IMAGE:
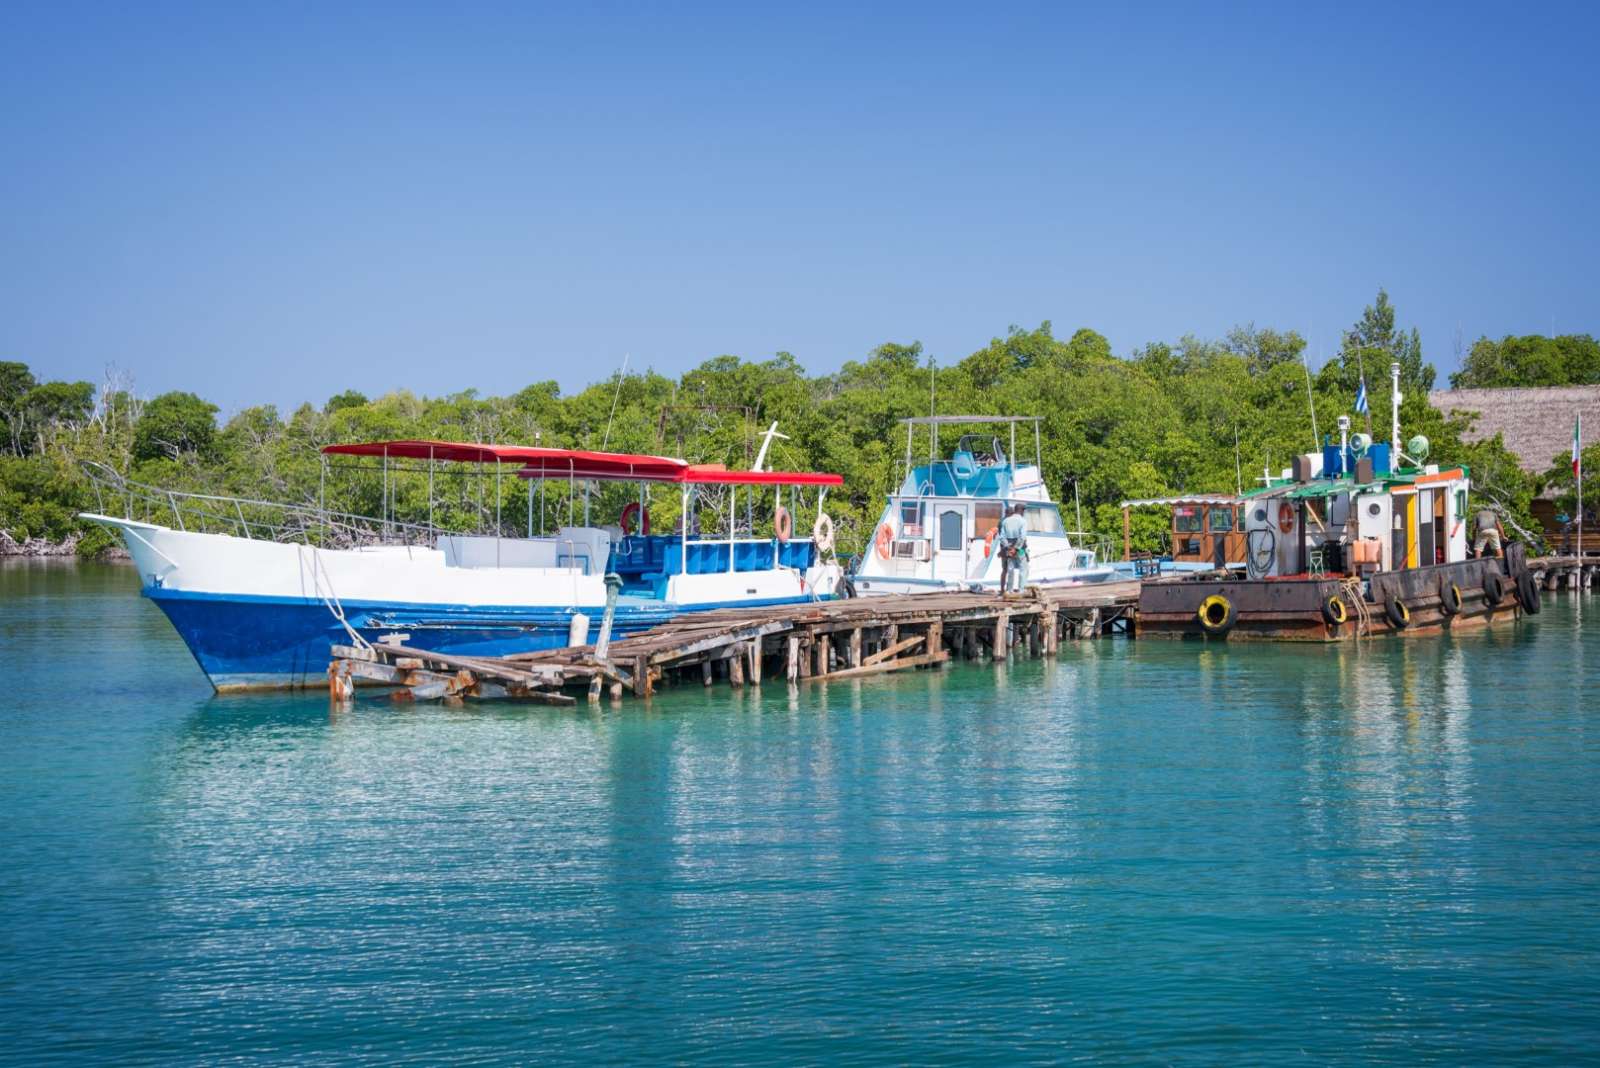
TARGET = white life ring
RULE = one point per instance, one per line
(822, 533)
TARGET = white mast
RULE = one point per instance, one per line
(1394, 401)
(766, 443)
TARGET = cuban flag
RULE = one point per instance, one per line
(1361, 397)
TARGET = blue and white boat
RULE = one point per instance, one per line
(261, 592)
(938, 531)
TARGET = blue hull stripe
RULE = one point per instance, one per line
(244, 641)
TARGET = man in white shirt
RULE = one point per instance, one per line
(1013, 540)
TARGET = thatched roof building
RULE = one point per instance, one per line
(1535, 423)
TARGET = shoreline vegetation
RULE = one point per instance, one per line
(1198, 415)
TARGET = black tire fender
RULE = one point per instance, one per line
(1334, 611)
(1449, 598)
(1494, 586)
(1528, 594)
(1395, 610)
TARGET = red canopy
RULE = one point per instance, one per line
(553, 463)
(578, 463)
(700, 473)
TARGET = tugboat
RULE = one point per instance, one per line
(1362, 538)
(938, 531)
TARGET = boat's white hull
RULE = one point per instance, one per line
(264, 614)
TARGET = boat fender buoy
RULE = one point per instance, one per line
(1494, 587)
(631, 513)
(783, 524)
(883, 541)
(1450, 598)
(1528, 594)
(1215, 615)
(1398, 614)
(822, 533)
(1334, 612)
(1286, 517)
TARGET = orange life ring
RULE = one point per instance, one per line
(884, 540)
(629, 514)
(1286, 517)
(988, 542)
(783, 523)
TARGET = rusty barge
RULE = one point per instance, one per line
(1358, 539)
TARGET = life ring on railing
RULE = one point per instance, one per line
(629, 514)
(988, 542)
(1286, 517)
(1449, 598)
(1215, 615)
(783, 524)
(822, 533)
(884, 540)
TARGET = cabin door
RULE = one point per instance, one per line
(950, 527)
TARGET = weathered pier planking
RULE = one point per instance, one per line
(1564, 572)
(822, 641)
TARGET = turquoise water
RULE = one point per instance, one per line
(1142, 852)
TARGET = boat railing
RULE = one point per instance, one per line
(1099, 544)
(261, 520)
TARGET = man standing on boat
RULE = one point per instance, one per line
(1013, 541)
(1490, 532)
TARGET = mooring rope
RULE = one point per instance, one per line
(1351, 587)
(330, 600)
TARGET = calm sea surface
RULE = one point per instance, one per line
(1141, 852)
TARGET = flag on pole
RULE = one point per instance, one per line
(1361, 396)
(1577, 449)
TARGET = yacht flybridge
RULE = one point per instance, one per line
(261, 591)
(938, 530)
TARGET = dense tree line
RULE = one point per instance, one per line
(1534, 360)
(1193, 416)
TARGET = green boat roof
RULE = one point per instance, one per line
(1319, 488)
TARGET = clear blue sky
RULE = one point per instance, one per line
(272, 202)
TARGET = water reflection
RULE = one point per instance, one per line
(1138, 850)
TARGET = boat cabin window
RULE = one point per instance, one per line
(985, 450)
(1186, 519)
(949, 530)
(1221, 520)
(910, 519)
(987, 517)
(1044, 519)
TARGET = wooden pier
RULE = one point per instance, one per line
(1564, 572)
(797, 643)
